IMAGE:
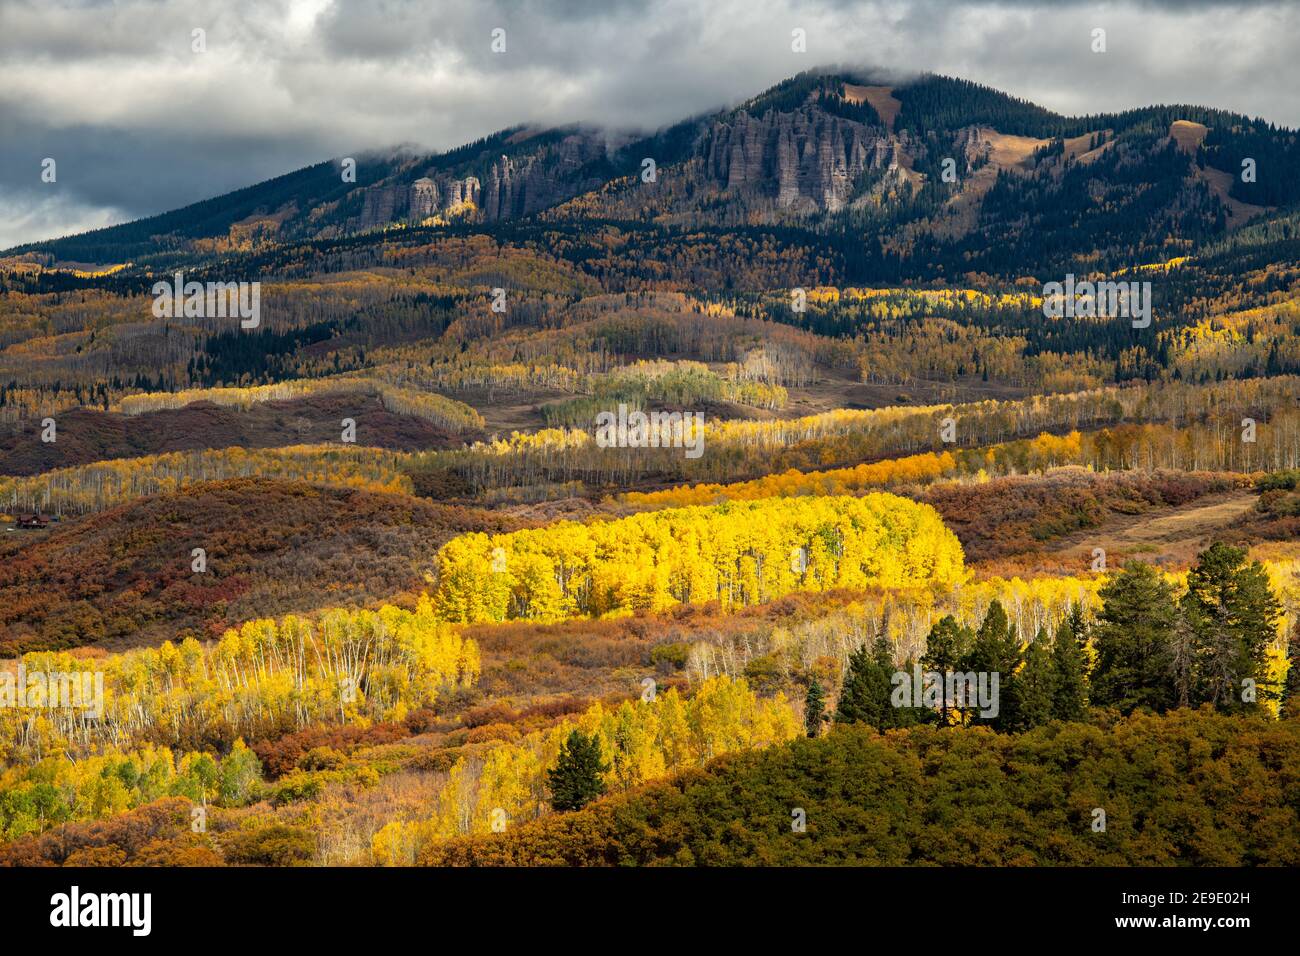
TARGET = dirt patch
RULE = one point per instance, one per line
(881, 99)
(1010, 152)
(961, 213)
(507, 410)
(1006, 153)
(1188, 135)
(1170, 539)
(1220, 182)
(1080, 149)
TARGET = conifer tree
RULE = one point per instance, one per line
(996, 647)
(814, 707)
(996, 650)
(892, 716)
(1027, 698)
(1069, 680)
(1290, 701)
(578, 775)
(946, 649)
(1134, 638)
(864, 695)
(1231, 616)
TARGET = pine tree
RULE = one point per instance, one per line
(1134, 637)
(864, 695)
(892, 716)
(1069, 680)
(1028, 694)
(996, 647)
(578, 775)
(814, 707)
(854, 704)
(1231, 616)
(946, 649)
(1290, 700)
(996, 650)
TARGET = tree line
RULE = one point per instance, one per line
(1148, 648)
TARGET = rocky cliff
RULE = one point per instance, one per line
(518, 186)
(808, 159)
(415, 201)
(514, 185)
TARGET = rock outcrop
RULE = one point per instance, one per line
(804, 161)
(417, 201)
(513, 186)
(807, 159)
(518, 186)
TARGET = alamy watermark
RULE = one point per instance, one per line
(953, 689)
(215, 300)
(133, 911)
(53, 690)
(1106, 299)
(638, 429)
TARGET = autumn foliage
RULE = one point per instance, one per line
(933, 796)
(738, 554)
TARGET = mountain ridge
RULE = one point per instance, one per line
(952, 160)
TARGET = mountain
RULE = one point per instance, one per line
(930, 168)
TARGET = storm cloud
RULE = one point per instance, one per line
(138, 122)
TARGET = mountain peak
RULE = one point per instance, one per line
(899, 159)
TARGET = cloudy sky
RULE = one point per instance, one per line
(138, 121)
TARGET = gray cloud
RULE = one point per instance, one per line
(140, 123)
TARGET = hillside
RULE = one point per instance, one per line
(89, 435)
(934, 797)
(124, 576)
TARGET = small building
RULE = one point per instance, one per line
(36, 521)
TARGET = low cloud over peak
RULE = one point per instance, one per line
(140, 122)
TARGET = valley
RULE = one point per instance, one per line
(370, 581)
